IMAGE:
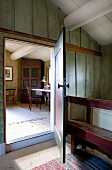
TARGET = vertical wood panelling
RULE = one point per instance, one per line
(67, 36)
(70, 73)
(93, 44)
(84, 39)
(75, 37)
(89, 76)
(61, 18)
(80, 72)
(96, 70)
(53, 21)
(105, 92)
(97, 78)
(23, 16)
(40, 21)
(6, 14)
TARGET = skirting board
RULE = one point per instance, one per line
(2, 149)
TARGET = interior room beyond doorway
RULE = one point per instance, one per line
(21, 123)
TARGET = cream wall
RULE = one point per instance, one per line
(15, 83)
(47, 64)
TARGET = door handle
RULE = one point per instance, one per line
(59, 85)
(68, 85)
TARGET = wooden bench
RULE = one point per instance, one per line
(84, 132)
(89, 135)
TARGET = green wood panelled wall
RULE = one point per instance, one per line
(42, 18)
(23, 15)
(106, 73)
(7, 14)
(97, 77)
(80, 74)
(83, 71)
(70, 73)
(36, 17)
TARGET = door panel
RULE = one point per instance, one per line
(60, 93)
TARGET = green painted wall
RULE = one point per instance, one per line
(36, 17)
(106, 73)
(42, 18)
(83, 70)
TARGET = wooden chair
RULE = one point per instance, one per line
(46, 94)
(35, 98)
(11, 93)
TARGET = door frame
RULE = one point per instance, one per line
(34, 40)
(5, 33)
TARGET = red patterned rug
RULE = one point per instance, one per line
(82, 160)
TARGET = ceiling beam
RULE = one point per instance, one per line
(87, 13)
(21, 52)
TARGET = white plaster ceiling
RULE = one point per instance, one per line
(27, 50)
(99, 29)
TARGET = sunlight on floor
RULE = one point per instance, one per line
(35, 159)
(27, 158)
(22, 123)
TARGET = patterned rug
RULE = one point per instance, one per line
(18, 115)
(21, 123)
(82, 160)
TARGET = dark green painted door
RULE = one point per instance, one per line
(60, 94)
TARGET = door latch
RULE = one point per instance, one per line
(64, 86)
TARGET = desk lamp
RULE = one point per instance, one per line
(43, 81)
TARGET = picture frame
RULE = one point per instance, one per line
(8, 73)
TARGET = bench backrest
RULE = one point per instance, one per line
(90, 103)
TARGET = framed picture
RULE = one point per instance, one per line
(8, 73)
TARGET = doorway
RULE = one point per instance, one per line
(21, 123)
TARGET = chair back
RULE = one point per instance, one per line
(11, 93)
(29, 92)
(33, 98)
(38, 93)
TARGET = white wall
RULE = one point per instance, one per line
(102, 118)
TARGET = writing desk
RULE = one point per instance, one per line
(44, 93)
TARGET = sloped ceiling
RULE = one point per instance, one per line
(27, 50)
(99, 29)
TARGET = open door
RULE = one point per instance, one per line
(60, 94)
